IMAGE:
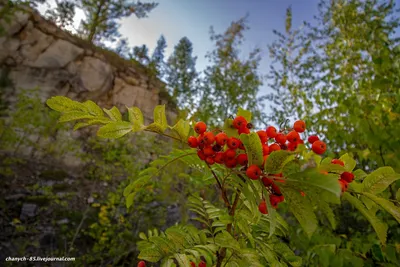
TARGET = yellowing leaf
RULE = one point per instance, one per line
(113, 113)
(244, 113)
(136, 118)
(65, 104)
(93, 108)
(74, 115)
(349, 162)
(159, 117)
(182, 128)
(253, 147)
(115, 129)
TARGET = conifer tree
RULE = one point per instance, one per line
(157, 58)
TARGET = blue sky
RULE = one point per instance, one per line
(193, 18)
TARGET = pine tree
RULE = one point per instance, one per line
(141, 54)
(181, 74)
(157, 58)
(231, 82)
(101, 22)
(63, 14)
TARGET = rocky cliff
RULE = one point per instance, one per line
(36, 53)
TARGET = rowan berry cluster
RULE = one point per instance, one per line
(201, 264)
(222, 149)
(345, 177)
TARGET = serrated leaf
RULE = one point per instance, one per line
(96, 121)
(377, 181)
(93, 108)
(136, 118)
(302, 209)
(386, 205)
(229, 129)
(226, 240)
(244, 113)
(113, 113)
(115, 129)
(359, 174)
(64, 104)
(74, 115)
(182, 259)
(277, 160)
(290, 168)
(327, 210)
(379, 227)
(176, 236)
(349, 162)
(182, 128)
(327, 182)
(160, 118)
(150, 255)
(253, 147)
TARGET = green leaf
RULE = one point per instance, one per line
(93, 108)
(182, 128)
(302, 209)
(155, 127)
(74, 115)
(229, 129)
(226, 240)
(150, 255)
(379, 227)
(142, 236)
(377, 181)
(64, 104)
(349, 162)
(182, 259)
(253, 147)
(96, 121)
(359, 174)
(159, 117)
(129, 199)
(244, 113)
(398, 195)
(114, 114)
(277, 160)
(115, 129)
(386, 205)
(136, 118)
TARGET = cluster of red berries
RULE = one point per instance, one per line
(221, 149)
(345, 177)
(201, 264)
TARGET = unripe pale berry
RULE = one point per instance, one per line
(200, 127)
(319, 147)
(299, 126)
(253, 172)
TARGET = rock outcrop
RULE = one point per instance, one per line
(36, 53)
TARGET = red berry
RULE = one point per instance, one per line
(283, 147)
(239, 121)
(241, 146)
(192, 142)
(242, 159)
(292, 146)
(230, 163)
(243, 130)
(347, 176)
(209, 138)
(299, 126)
(274, 147)
(271, 132)
(301, 141)
(337, 161)
(312, 139)
(267, 181)
(302, 194)
(230, 154)
(262, 207)
(200, 127)
(265, 149)
(219, 157)
(201, 155)
(344, 185)
(280, 138)
(293, 137)
(208, 151)
(202, 264)
(233, 143)
(192, 264)
(275, 200)
(276, 189)
(319, 147)
(210, 160)
(253, 172)
(263, 136)
(265, 159)
(141, 264)
(221, 139)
